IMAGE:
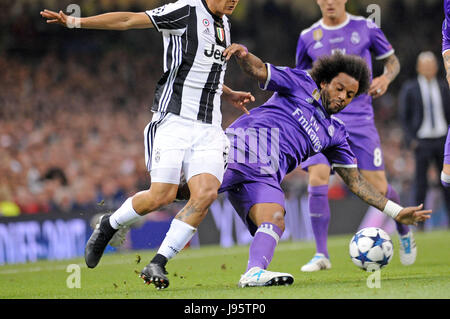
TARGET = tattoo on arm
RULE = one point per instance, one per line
(254, 67)
(360, 187)
(446, 58)
(391, 67)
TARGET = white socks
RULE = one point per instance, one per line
(178, 235)
(124, 216)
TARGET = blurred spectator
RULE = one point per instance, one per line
(424, 108)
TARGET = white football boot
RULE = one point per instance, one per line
(408, 249)
(257, 276)
(318, 262)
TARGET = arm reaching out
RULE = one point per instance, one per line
(106, 21)
(249, 63)
(360, 187)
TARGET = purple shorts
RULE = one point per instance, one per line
(447, 148)
(365, 144)
(243, 194)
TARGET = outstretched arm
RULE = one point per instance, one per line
(369, 194)
(381, 83)
(249, 63)
(106, 21)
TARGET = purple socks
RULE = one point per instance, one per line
(263, 245)
(319, 210)
(393, 196)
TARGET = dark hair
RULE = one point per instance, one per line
(326, 68)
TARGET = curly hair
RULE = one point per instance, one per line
(326, 68)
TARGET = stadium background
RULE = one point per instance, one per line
(74, 103)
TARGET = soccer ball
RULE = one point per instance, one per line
(371, 249)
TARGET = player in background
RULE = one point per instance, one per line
(445, 174)
(185, 132)
(339, 31)
(304, 102)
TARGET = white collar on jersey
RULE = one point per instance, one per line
(335, 27)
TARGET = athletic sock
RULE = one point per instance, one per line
(106, 228)
(319, 210)
(263, 245)
(177, 237)
(392, 195)
(124, 216)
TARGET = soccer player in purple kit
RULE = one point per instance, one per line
(339, 31)
(296, 122)
(445, 174)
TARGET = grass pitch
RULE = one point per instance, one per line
(212, 272)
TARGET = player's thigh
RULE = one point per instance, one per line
(377, 179)
(366, 145)
(208, 153)
(166, 142)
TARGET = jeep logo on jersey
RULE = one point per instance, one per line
(215, 52)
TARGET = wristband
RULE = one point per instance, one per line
(392, 209)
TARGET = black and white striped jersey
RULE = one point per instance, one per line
(194, 68)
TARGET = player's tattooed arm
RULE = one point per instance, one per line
(391, 67)
(446, 57)
(106, 21)
(249, 63)
(381, 83)
(361, 188)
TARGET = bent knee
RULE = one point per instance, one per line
(206, 195)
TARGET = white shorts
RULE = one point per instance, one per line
(174, 143)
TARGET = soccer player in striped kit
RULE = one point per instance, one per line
(185, 132)
(445, 174)
(339, 31)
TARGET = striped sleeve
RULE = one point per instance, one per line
(170, 17)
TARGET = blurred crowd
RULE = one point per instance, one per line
(74, 103)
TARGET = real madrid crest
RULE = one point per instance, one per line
(355, 38)
(331, 130)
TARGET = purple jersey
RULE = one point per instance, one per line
(446, 27)
(291, 126)
(358, 36)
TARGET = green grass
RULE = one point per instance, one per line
(212, 273)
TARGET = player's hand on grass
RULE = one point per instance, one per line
(55, 17)
(236, 49)
(413, 215)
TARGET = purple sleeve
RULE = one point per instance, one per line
(283, 79)
(446, 27)
(341, 154)
(302, 60)
(379, 44)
